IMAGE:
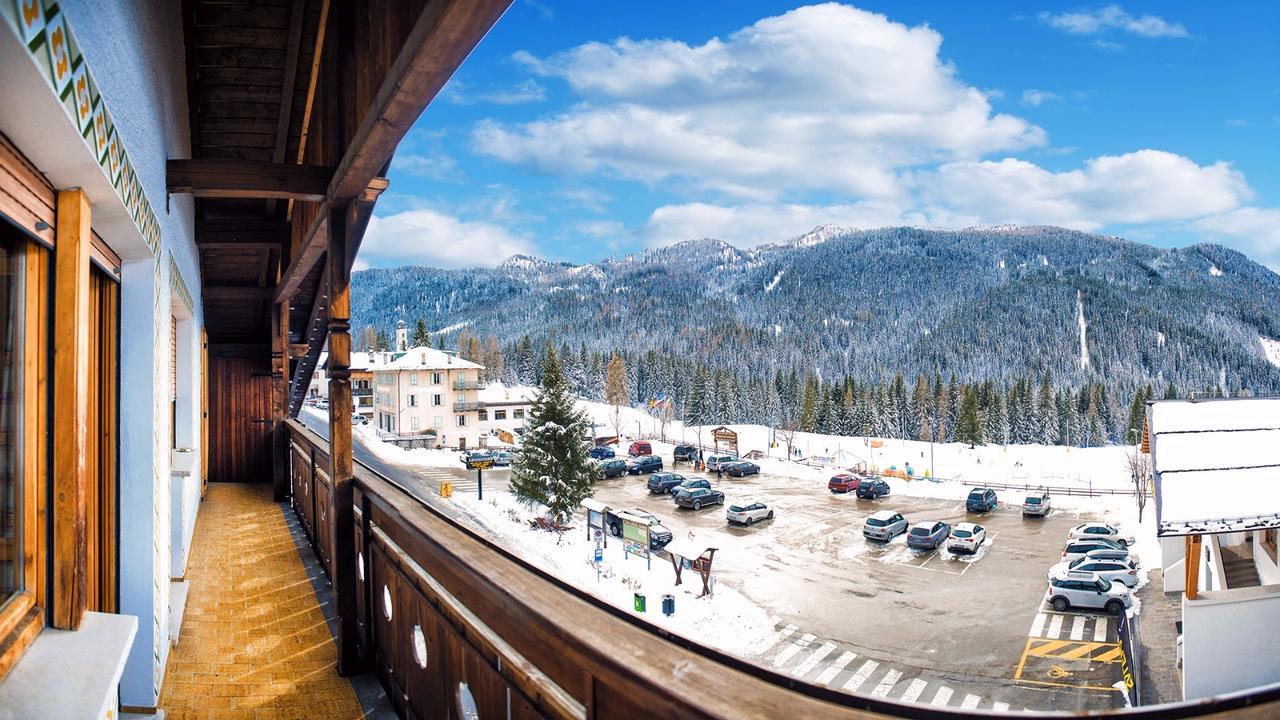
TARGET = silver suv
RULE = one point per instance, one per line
(884, 525)
(1037, 504)
(1101, 548)
(1085, 590)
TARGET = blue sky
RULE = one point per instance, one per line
(578, 130)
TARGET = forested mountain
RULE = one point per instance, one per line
(998, 308)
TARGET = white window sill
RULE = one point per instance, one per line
(70, 674)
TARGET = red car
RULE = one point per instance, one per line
(640, 447)
(843, 483)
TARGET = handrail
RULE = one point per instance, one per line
(613, 663)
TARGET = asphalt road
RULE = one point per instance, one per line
(881, 619)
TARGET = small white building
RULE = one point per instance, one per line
(503, 411)
(423, 391)
(1216, 466)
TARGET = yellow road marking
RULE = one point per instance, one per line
(1072, 650)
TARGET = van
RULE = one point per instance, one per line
(640, 447)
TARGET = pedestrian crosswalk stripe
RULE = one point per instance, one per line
(834, 668)
(1077, 628)
(812, 661)
(1055, 627)
(1073, 650)
(789, 651)
(1000, 706)
(861, 676)
(886, 683)
(916, 687)
(942, 697)
(1100, 627)
(970, 702)
(1037, 626)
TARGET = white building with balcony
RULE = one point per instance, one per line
(1216, 465)
(423, 391)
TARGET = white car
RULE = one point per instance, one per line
(1095, 530)
(717, 462)
(966, 537)
(1119, 571)
(1084, 590)
(747, 512)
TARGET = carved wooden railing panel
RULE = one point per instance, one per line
(443, 612)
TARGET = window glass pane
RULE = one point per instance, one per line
(11, 306)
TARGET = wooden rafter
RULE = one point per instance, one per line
(248, 179)
(443, 35)
(290, 80)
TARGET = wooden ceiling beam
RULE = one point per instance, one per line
(235, 292)
(248, 179)
(241, 233)
(443, 35)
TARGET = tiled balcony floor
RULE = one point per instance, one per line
(254, 641)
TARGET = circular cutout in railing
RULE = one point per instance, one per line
(360, 567)
(386, 602)
(467, 709)
(419, 647)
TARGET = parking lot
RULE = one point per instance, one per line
(881, 618)
(885, 619)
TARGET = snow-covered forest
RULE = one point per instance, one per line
(997, 335)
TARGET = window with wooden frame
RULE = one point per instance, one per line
(102, 486)
(24, 362)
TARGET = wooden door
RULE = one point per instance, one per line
(239, 419)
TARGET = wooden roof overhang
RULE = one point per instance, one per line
(296, 107)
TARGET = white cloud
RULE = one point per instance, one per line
(436, 166)
(826, 97)
(603, 229)
(755, 224)
(1139, 187)
(1113, 17)
(1253, 230)
(1036, 98)
(526, 91)
(429, 237)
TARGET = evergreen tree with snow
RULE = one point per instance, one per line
(968, 425)
(998, 419)
(1047, 413)
(553, 468)
(420, 336)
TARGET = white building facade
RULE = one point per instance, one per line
(423, 391)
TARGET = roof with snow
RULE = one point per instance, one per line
(359, 360)
(429, 358)
(1216, 464)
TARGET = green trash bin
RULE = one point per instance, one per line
(639, 603)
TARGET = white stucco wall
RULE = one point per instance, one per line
(1173, 553)
(134, 48)
(1229, 641)
(1268, 568)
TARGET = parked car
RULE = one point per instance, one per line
(614, 468)
(928, 535)
(884, 525)
(1037, 504)
(478, 458)
(843, 482)
(639, 448)
(966, 537)
(981, 500)
(659, 535)
(747, 512)
(716, 462)
(1098, 548)
(503, 458)
(697, 498)
(1083, 590)
(601, 452)
(1125, 573)
(688, 453)
(872, 488)
(1093, 530)
(358, 419)
(742, 468)
(644, 464)
(663, 483)
(693, 483)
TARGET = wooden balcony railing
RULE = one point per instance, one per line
(443, 614)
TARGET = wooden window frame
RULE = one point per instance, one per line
(22, 616)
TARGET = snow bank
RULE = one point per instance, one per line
(725, 620)
(389, 452)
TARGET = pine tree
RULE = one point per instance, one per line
(921, 403)
(1047, 413)
(809, 405)
(420, 336)
(998, 420)
(553, 468)
(968, 425)
(1137, 417)
(615, 391)
(383, 343)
